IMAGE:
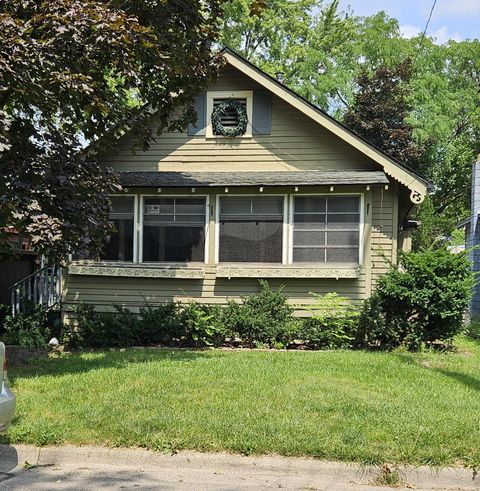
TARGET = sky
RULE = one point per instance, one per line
(451, 19)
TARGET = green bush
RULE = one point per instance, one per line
(169, 325)
(101, 329)
(262, 319)
(203, 325)
(29, 329)
(422, 300)
(332, 325)
(473, 328)
(160, 325)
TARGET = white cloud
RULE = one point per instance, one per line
(442, 35)
(408, 31)
(458, 7)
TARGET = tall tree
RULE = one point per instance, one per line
(379, 113)
(75, 71)
(323, 51)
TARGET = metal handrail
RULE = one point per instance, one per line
(43, 287)
(28, 277)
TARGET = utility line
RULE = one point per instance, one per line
(422, 39)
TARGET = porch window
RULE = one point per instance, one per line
(119, 243)
(326, 229)
(174, 229)
(251, 229)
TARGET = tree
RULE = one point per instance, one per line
(446, 97)
(320, 49)
(77, 71)
(380, 110)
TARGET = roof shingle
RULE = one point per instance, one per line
(148, 179)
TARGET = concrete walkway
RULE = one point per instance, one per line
(87, 468)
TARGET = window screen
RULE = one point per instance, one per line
(251, 229)
(174, 229)
(230, 119)
(326, 229)
(119, 243)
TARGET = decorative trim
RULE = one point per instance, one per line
(174, 272)
(222, 94)
(222, 110)
(416, 197)
(286, 272)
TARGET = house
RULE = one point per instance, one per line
(472, 235)
(263, 186)
(15, 267)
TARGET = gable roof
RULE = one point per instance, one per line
(395, 169)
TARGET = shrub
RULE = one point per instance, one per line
(160, 324)
(473, 328)
(170, 324)
(29, 329)
(332, 325)
(420, 301)
(203, 325)
(264, 318)
(101, 329)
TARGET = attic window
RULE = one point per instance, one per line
(231, 118)
(230, 112)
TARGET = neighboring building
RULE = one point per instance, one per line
(472, 235)
(297, 199)
(15, 267)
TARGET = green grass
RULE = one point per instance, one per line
(342, 405)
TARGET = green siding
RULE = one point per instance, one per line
(295, 143)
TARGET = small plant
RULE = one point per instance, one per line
(421, 301)
(332, 325)
(203, 325)
(264, 318)
(29, 330)
(473, 328)
(389, 476)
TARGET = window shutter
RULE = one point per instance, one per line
(200, 105)
(262, 112)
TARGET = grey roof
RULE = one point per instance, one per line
(160, 179)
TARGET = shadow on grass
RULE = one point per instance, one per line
(463, 378)
(78, 362)
(467, 380)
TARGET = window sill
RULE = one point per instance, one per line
(197, 271)
(229, 139)
(273, 271)
(173, 271)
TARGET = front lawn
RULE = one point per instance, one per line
(340, 405)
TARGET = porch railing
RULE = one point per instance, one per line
(44, 287)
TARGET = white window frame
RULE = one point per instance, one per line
(226, 94)
(284, 224)
(135, 234)
(312, 195)
(173, 196)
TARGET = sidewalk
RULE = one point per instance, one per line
(72, 468)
